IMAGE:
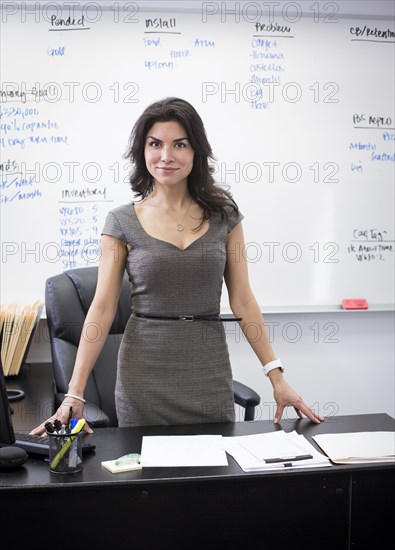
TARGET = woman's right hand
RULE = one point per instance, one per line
(63, 414)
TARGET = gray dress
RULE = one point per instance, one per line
(173, 372)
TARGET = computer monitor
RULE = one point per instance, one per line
(7, 436)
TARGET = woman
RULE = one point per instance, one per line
(177, 244)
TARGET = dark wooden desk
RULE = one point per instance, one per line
(335, 508)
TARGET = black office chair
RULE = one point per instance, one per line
(67, 300)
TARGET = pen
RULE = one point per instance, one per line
(286, 459)
(69, 420)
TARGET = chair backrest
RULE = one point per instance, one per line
(68, 297)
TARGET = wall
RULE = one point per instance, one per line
(298, 106)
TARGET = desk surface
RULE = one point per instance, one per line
(114, 442)
(212, 508)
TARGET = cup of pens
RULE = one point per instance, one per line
(65, 447)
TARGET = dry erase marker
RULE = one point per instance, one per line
(49, 428)
(57, 425)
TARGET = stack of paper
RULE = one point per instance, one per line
(359, 447)
(118, 466)
(267, 451)
(17, 325)
(274, 451)
(182, 450)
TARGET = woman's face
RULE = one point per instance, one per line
(168, 153)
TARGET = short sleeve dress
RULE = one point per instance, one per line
(171, 371)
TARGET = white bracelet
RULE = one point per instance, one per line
(75, 397)
(275, 364)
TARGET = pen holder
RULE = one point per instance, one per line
(65, 453)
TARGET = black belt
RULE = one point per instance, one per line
(186, 317)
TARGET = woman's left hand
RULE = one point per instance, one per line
(285, 396)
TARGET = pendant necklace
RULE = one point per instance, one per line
(179, 225)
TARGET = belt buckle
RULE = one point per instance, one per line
(187, 318)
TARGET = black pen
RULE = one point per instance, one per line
(69, 421)
(286, 459)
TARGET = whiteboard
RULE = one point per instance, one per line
(298, 108)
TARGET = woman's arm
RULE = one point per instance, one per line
(101, 312)
(96, 326)
(243, 304)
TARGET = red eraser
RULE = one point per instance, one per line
(354, 303)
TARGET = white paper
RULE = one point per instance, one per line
(249, 451)
(184, 450)
(358, 447)
(271, 445)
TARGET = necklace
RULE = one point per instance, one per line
(179, 225)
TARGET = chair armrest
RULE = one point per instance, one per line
(246, 397)
(95, 417)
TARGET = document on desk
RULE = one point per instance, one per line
(182, 450)
(274, 451)
(358, 447)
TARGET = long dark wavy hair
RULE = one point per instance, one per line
(201, 184)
